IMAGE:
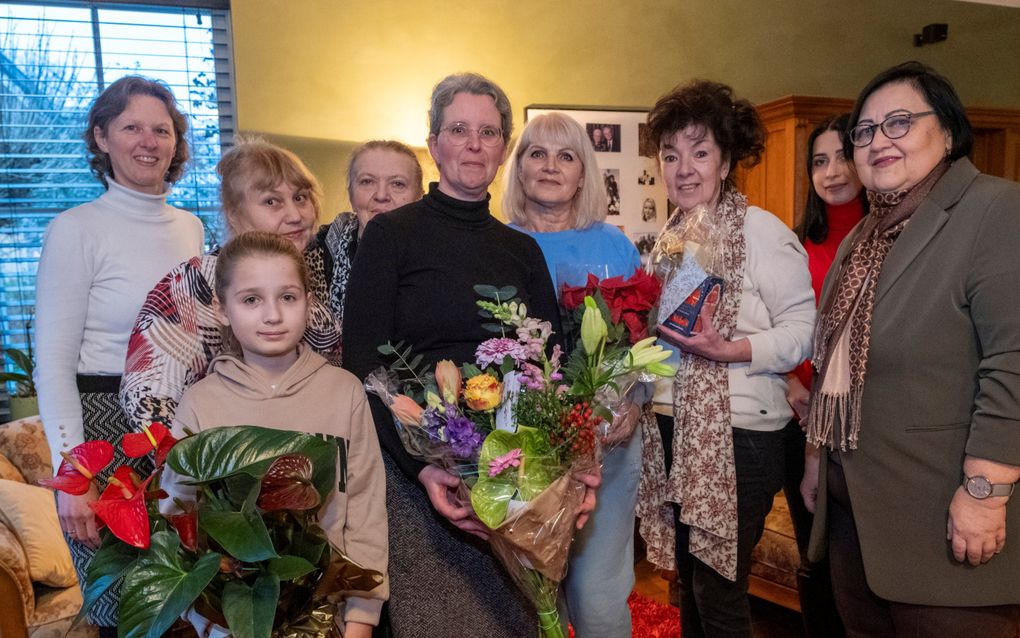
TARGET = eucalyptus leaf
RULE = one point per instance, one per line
(386, 349)
(487, 291)
(506, 293)
(250, 610)
(160, 587)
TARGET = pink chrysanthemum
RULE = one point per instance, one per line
(493, 351)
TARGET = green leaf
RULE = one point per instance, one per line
(160, 587)
(242, 534)
(21, 360)
(506, 293)
(218, 453)
(490, 496)
(386, 349)
(113, 559)
(487, 291)
(469, 370)
(250, 610)
(290, 567)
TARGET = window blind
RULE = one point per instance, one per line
(55, 58)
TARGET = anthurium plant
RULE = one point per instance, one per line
(242, 549)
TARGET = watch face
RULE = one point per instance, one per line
(979, 487)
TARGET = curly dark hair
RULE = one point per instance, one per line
(734, 123)
(814, 223)
(112, 102)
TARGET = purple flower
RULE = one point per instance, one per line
(432, 421)
(464, 439)
(493, 351)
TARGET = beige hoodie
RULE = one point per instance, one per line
(314, 397)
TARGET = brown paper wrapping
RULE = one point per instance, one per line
(541, 532)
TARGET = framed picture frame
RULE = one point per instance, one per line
(629, 167)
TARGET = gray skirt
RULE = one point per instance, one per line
(445, 583)
(103, 420)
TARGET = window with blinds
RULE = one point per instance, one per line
(55, 58)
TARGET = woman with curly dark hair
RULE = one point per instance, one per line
(98, 262)
(729, 395)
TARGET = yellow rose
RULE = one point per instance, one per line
(483, 392)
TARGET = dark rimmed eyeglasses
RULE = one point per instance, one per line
(893, 127)
(459, 133)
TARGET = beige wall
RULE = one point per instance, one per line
(327, 73)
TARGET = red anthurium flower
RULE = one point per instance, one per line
(122, 507)
(155, 436)
(186, 525)
(287, 485)
(79, 467)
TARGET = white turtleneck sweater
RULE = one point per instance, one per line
(99, 261)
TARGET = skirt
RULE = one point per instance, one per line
(445, 583)
(103, 419)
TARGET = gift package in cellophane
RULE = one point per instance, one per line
(687, 259)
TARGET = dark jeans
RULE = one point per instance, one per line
(814, 586)
(711, 605)
(865, 614)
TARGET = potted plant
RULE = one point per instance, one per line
(24, 402)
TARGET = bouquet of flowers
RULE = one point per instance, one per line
(614, 352)
(246, 554)
(511, 426)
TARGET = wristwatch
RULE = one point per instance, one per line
(981, 488)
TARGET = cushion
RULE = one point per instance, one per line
(14, 561)
(9, 472)
(23, 442)
(31, 513)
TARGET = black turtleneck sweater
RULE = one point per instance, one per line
(413, 279)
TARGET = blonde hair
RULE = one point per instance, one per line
(560, 130)
(255, 164)
(255, 243)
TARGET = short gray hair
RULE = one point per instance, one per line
(562, 130)
(475, 84)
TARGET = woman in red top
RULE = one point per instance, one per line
(835, 203)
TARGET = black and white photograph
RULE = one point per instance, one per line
(648, 210)
(612, 179)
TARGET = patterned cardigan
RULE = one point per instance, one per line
(176, 333)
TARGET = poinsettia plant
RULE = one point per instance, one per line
(240, 544)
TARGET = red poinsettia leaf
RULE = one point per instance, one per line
(127, 518)
(186, 525)
(91, 456)
(637, 327)
(287, 485)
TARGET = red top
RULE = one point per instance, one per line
(842, 218)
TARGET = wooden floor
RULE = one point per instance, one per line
(770, 621)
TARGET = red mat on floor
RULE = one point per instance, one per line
(650, 619)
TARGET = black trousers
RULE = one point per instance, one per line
(867, 615)
(814, 586)
(711, 605)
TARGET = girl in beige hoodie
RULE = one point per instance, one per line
(278, 382)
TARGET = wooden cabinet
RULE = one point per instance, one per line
(779, 183)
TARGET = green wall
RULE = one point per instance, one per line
(325, 73)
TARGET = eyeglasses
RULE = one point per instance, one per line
(460, 133)
(893, 127)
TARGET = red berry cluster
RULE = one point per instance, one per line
(577, 431)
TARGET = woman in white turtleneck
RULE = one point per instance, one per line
(99, 261)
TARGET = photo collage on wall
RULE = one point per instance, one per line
(637, 202)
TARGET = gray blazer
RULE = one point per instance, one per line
(943, 380)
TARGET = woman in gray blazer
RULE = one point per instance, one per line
(917, 388)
